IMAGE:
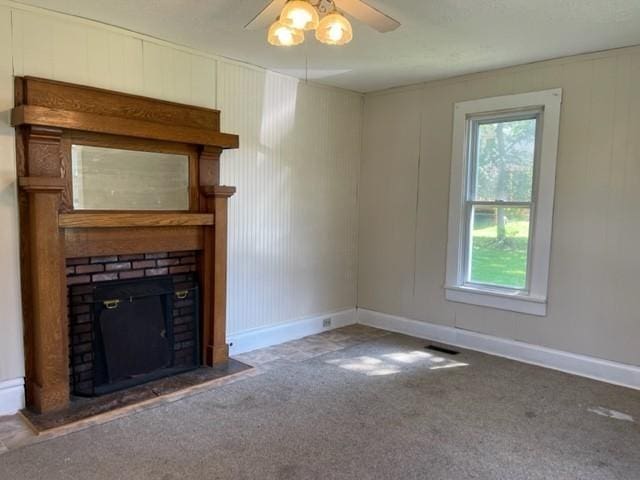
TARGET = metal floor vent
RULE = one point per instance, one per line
(440, 349)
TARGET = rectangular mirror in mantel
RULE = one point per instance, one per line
(114, 179)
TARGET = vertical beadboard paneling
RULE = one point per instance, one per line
(240, 98)
(593, 300)
(11, 352)
(292, 238)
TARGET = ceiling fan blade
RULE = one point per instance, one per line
(267, 16)
(367, 14)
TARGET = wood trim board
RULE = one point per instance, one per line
(110, 220)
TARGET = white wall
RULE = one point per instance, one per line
(594, 305)
(293, 229)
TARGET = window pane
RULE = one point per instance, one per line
(504, 160)
(499, 246)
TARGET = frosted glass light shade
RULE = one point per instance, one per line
(334, 29)
(300, 15)
(282, 36)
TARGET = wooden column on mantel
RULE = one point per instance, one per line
(47, 326)
(215, 347)
(49, 117)
(213, 269)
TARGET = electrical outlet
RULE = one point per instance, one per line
(326, 323)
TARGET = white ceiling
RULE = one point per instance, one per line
(437, 39)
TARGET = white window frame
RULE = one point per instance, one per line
(533, 299)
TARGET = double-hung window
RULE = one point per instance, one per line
(501, 203)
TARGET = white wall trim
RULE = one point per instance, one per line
(11, 396)
(582, 365)
(488, 298)
(284, 332)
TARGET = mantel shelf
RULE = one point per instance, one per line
(119, 220)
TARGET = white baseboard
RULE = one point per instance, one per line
(284, 332)
(11, 396)
(582, 365)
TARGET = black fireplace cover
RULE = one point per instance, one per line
(134, 337)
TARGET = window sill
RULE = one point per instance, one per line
(515, 302)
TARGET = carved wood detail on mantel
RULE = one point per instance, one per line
(49, 116)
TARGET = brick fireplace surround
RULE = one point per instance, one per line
(124, 267)
(84, 273)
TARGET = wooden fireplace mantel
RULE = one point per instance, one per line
(49, 117)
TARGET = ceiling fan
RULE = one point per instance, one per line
(288, 19)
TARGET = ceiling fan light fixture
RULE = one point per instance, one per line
(282, 35)
(334, 29)
(300, 14)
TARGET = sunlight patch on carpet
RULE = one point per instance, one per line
(606, 412)
(392, 363)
